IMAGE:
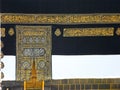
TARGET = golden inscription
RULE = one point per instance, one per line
(79, 32)
(29, 33)
(2, 32)
(13, 18)
(8, 18)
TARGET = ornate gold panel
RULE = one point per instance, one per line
(9, 18)
(33, 43)
(79, 32)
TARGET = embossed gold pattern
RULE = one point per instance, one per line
(118, 32)
(11, 32)
(79, 32)
(30, 46)
(2, 32)
(17, 18)
(8, 18)
(57, 32)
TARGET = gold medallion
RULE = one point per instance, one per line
(57, 32)
(11, 32)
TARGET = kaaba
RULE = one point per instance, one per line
(33, 30)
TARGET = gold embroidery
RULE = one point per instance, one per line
(78, 32)
(11, 32)
(33, 43)
(118, 32)
(2, 30)
(29, 33)
(57, 32)
(7, 18)
(14, 18)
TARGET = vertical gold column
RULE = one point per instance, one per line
(42, 84)
(24, 85)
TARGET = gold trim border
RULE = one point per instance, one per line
(96, 18)
(80, 32)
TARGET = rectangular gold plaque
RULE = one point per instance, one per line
(80, 32)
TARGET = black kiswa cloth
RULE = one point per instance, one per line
(60, 6)
(9, 41)
(98, 45)
(62, 45)
(86, 46)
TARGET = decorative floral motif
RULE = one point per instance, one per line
(30, 39)
(24, 40)
(36, 52)
(36, 40)
(41, 64)
(33, 39)
(26, 65)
